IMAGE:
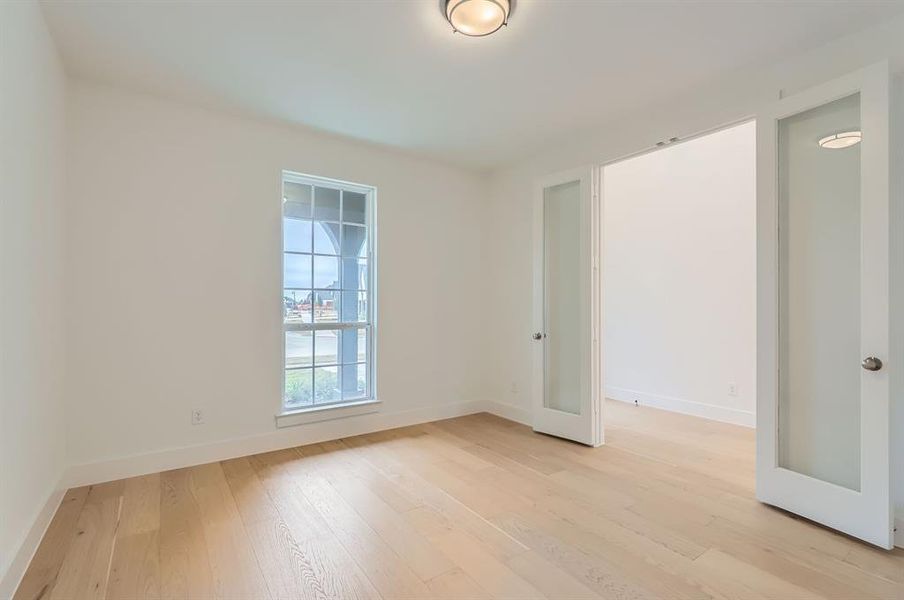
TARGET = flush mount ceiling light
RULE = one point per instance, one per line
(845, 139)
(477, 18)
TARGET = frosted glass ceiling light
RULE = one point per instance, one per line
(478, 18)
(844, 139)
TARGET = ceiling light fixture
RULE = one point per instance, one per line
(477, 18)
(845, 139)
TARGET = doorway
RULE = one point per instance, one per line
(679, 277)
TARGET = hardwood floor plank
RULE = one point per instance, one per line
(552, 581)
(500, 543)
(42, 573)
(286, 569)
(233, 564)
(488, 572)
(608, 565)
(379, 484)
(185, 570)
(456, 585)
(825, 576)
(590, 571)
(390, 574)
(328, 565)
(274, 471)
(135, 568)
(420, 556)
(881, 563)
(291, 569)
(86, 567)
(752, 579)
(501, 445)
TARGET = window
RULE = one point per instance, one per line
(328, 279)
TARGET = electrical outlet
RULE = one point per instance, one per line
(732, 389)
(514, 388)
(197, 417)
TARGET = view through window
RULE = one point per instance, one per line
(327, 278)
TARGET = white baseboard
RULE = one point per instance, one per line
(187, 456)
(687, 407)
(10, 580)
(510, 412)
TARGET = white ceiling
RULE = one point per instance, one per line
(391, 71)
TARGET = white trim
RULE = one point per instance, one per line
(187, 456)
(12, 578)
(316, 414)
(518, 414)
(724, 414)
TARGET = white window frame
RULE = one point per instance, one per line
(288, 416)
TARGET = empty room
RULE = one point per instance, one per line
(461, 299)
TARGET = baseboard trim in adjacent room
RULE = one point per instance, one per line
(187, 456)
(10, 580)
(687, 407)
(510, 412)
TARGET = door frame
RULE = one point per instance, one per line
(586, 428)
(827, 503)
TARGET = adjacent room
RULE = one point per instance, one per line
(462, 299)
(679, 283)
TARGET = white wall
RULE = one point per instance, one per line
(174, 281)
(32, 90)
(734, 98)
(679, 277)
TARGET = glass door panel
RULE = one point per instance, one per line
(562, 308)
(819, 293)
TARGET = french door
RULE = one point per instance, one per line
(567, 307)
(823, 305)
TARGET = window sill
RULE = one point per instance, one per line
(316, 414)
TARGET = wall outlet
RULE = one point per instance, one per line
(732, 389)
(197, 417)
(514, 388)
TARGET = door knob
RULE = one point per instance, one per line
(537, 336)
(871, 363)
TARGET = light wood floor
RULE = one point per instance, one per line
(474, 507)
